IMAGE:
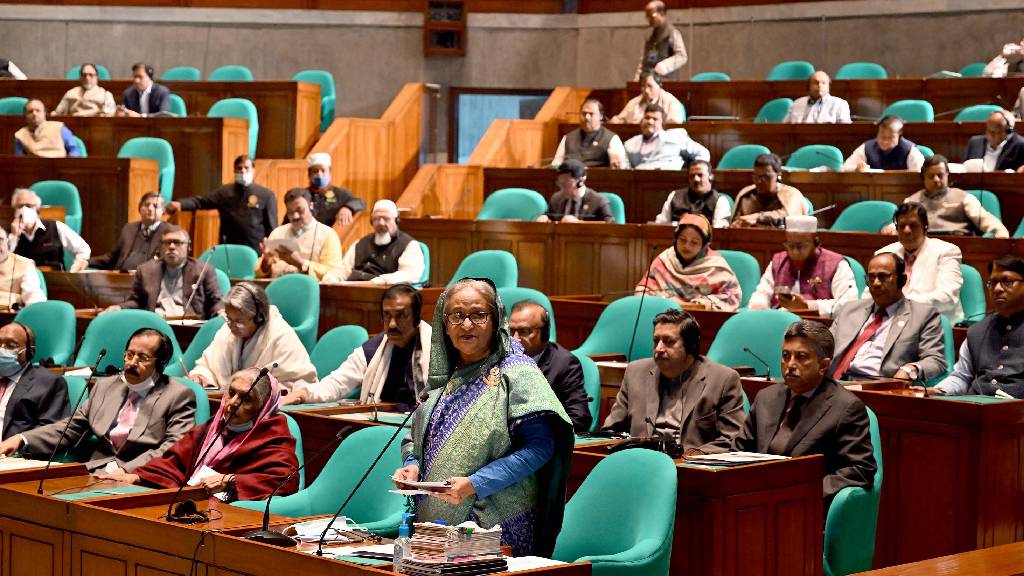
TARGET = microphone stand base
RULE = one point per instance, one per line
(270, 537)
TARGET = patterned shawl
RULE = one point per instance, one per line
(215, 435)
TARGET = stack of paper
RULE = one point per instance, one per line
(733, 458)
(463, 549)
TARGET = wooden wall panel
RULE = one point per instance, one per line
(30, 550)
(97, 557)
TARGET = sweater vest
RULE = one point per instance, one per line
(372, 260)
(815, 278)
(894, 159)
(44, 141)
(12, 271)
(591, 149)
(45, 248)
(658, 46)
(704, 204)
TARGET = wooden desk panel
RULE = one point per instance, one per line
(1006, 560)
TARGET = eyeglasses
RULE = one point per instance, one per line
(458, 318)
(883, 277)
(142, 358)
(173, 242)
(523, 331)
(1006, 283)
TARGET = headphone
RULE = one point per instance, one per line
(147, 67)
(901, 269)
(545, 326)
(259, 319)
(30, 341)
(163, 353)
(1008, 120)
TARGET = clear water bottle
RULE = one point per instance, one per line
(402, 547)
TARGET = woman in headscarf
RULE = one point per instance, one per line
(243, 452)
(491, 427)
(691, 273)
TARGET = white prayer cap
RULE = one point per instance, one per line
(321, 158)
(801, 224)
(387, 205)
(973, 165)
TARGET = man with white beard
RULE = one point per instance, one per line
(388, 256)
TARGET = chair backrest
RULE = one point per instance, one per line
(614, 331)
(592, 386)
(513, 204)
(13, 106)
(112, 330)
(860, 277)
(297, 297)
(791, 70)
(911, 110)
(710, 77)
(774, 110)
(815, 155)
(235, 260)
(42, 282)
(82, 152)
(182, 74)
(809, 204)
(425, 278)
(759, 330)
(618, 207)
(62, 193)
(223, 282)
(74, 73)
(498, 265)
(76, 389)
(972, 294)
(510, 295)
(231, 73)
(925, 151)
(155, 149)
(865, 216)
(202, 399)
(239, 108)
(973, 70)
(1020, 230)
(948, 351)
(741, 157)
(335, 346)
(605, 518)
(861, 71)
(989, 201)
(293, 427)
(747, 271)
(322, 77)
(178, 105)
(201, 340)
(53, 323)
(976, 113)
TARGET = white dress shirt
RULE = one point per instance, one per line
(69, 239)
(988, 163)
(844, 288)
(868, 361)
(914, 160)
(144, 99)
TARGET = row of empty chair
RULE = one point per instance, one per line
(802, 70)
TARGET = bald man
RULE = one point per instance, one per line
(819, 106)
(999, 148)
(387, 256)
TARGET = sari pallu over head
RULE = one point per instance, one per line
(215, 431)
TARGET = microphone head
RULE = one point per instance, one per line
(747, 349)
(102, 354)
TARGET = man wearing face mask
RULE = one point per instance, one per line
(888, 150)
(87, 99)
(331, 204)
(135, 415)
(303, 246)
(248, 212)
(139, 241)
(30, 396)
(19, 282)
(43, 241)
(388, 256)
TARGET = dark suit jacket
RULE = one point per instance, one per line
(565, 374)
(595, 207)
(146, 288)
(1011, 158)
(40, 397)
(712, 402)
(132, 249)
(159, 99)
(833, 423)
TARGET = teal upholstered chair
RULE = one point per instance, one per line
(82, 152)
(510, 295)
(42, 282)
(223, 282)
(232, 73)
(112, 330)
(865, 216)
(328, 93)
(182, 74)
(976, 113)
(759, 330)
(62, 193)
(989, 201)
(293, 427)
(911, 110)
(154, 149)
(815, 155)
(592, 386)
(1020, 230)
(852, 520)
(13, 106)
(925, 151)
(614, 331)
(861, 71)
(513, 204)
(948, 351)
(972, 294)
(498, 265)
(791, 70)
(425, 278)
(202, 400)
(618, 207)
(54, 324)
(335, 346)
(774, 110)
(178, 107)
(747, 271)
(76, 389)
(619, 533)
(372, 506)
(297, 296)
(741, 157)
(236, 260)
(239, 108)
(710, 77)
(201, 340)
(74, 73)
(973, 70)
(859, 275)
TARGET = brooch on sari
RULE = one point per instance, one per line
(492, 376)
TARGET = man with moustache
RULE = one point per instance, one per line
(88, 99)
(767, 202)
(139, 241)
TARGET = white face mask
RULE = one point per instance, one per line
(382, 239)
(244, 178)
(29, 216)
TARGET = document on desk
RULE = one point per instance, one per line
(10, 463)
(733, 458)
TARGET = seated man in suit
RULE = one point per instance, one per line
(19, 280)
(887, 336)
(386, 256)
(144, 97)
(87, 99)
(530, 325)
(811, 414)
(767, 201)
(302, 246)
(389, 367)
(42, 137)
(136, 415)
(888, 150)
(657, 149)
(952, 209)
(699, 197)
(331, 204)
(574, 202)
(139, 241)
(30, 396)
(999, 148)
(679, 394)
(43, 241)
(819, 107)
(171, 286)
(805, 276)
(592, 143)
(992, 357)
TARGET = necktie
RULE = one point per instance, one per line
(789, 421)
(125, 419)
(866, 334)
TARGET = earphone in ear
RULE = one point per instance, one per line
(163, 353)
(1008, 121)
(30, 341)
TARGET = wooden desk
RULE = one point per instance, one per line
(110, 188)
(289, 112)
(1005, 560)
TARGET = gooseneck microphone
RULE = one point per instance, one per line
(202, 274)
(767, 368)
(63, 433)
(268, 536)
(640, 308)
